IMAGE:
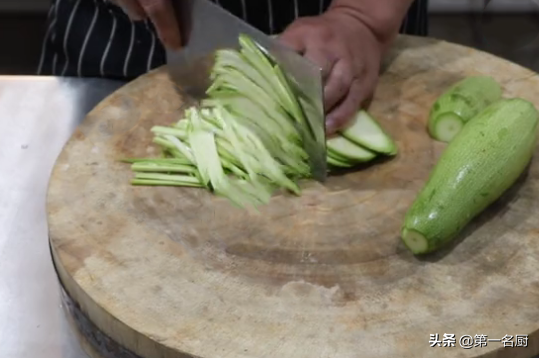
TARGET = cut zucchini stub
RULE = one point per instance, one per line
(415, 241)
(447, 126)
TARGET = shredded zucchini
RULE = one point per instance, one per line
(244, 141)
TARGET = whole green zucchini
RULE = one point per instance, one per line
(475, 169)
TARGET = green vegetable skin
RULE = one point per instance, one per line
(464, 100)
(476, 168)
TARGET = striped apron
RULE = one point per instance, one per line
(94, 38)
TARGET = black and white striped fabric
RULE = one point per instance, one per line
(94, 38)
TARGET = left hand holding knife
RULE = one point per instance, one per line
(160, 13)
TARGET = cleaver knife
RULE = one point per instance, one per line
(206, 27)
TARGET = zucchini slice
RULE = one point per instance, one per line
(365, 131)
(345, 148)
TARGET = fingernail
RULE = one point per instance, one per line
(178, 45)
(171, 43)
(330, 126)
(174, 46)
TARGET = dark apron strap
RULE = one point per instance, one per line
(94, 38)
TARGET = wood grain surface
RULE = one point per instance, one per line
(176, 272)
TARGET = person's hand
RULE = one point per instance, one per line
(160, 13)
(349, 55)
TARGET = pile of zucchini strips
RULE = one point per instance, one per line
(244, 141)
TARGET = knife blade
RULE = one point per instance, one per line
(206, 27)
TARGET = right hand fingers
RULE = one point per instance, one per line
(162, 15)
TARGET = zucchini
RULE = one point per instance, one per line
(332, 154)
(163, 168)
(475, 169)
(347, 149)
(164, 161)
(365, 131)
(333, 161)
(152, 179)
(460, 103)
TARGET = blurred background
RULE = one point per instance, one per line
(507, 28)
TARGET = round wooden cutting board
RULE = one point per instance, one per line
(176, 272)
